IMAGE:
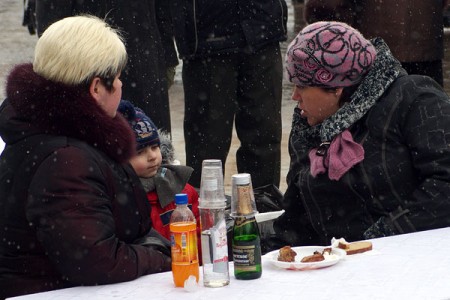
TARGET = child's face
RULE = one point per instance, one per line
(147, 162)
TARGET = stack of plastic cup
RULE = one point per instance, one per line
(213, 226)
(212, 192)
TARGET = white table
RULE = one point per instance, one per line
(410, 266)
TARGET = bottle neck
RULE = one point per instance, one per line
(244, 196)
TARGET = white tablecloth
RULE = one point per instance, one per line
(410, 266)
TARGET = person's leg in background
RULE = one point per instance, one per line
(258, 118)
(210, 103)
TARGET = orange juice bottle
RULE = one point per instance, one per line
(183, 238)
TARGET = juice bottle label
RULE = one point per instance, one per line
(184, 243)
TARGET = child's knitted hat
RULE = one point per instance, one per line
(144, 129)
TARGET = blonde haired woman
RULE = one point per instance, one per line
(71, 212)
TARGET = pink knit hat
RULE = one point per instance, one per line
(328, 54)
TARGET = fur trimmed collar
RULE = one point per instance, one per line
(58, 109)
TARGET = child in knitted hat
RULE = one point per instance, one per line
(160, 178)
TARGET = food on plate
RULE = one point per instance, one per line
(318, 256)
(353, 247)
(327, 251)
(356, 247)
(287, 254)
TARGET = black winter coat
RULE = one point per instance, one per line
(147, 29)
(403, 183)
(209, 27)
(78, 219)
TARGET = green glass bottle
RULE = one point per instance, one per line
(246, 248)
(246, 243)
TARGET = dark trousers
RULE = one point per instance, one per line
(244, 89)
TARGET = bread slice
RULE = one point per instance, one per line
(355, 247)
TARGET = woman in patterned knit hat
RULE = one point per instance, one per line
(369, 144)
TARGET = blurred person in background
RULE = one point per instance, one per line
(413, 29)
(232, 75)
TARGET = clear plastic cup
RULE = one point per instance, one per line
(212, 192)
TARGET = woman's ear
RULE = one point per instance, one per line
(95, 88)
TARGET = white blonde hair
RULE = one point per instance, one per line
(76, 49)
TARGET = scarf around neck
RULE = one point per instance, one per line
(168, 181)
(382, 74)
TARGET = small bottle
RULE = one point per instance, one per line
(183, 238)
(246, 238)
(213, 225)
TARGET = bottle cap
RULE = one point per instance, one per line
(181, 199)
(242, 178)
(242, 199)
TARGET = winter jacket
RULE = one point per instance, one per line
(148, 35)
(161, 190)
(71, 213)
(207, 27)
(403, 183)
(413, 29)
(161, 214)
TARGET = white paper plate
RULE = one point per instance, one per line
(305, 251)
